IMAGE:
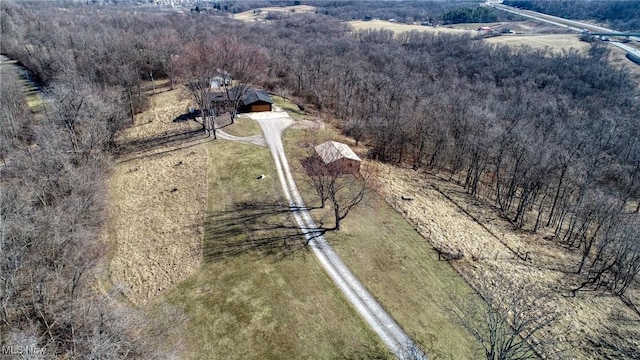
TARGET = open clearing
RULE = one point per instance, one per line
(399, 28)
(158, 196)
(396, 264)
(260, 294)
(261, 13)
(555, 42)
(241, 275)
(587, 319)
(251, 289)
(526, 27)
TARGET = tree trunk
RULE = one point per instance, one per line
(133, 119)
(540, 211)
(555, 198)
(336, 213)
(436, 151)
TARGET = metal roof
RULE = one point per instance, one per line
(253, 95)
(331, 151)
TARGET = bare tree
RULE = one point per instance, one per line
(174, 69)
(345, 191)
(616, 260)
(318, 178)
(337, 183)
(509, 320)
(245, 63)
(199, 68)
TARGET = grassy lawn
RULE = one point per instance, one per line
(288, 106)
(243, 126)
(259, 293)
(395, 263)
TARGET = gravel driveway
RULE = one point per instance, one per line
(273, 123)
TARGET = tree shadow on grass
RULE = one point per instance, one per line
(191, 115)
(259, 227)
(139, 146)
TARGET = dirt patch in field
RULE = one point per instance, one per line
(455, 222)
(158, 197)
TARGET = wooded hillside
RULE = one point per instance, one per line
(551, 140)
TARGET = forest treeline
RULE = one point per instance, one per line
(479, 14)
(446, 12)
(552, 140)
(53, 197)
(402, 11)
(621, 15)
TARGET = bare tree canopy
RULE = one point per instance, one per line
(339, 184)
(508, 321)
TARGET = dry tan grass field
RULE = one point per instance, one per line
(261, 14)
(489, 246)
(399, 28)
(158, 191)
(555, 42)
(526, 27)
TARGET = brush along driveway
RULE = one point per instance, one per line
(272, 124)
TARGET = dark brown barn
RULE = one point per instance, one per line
(255, 101)
(338, 157)
(252, 101)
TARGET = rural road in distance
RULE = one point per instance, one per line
(272, 124)
(573, 25)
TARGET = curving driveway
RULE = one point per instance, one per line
(272, 124)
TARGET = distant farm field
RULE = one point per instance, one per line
(399, 28)
(556, 42)
(526, 27)
(262, 13)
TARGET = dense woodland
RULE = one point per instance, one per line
(552, 140)
(402, 11)
(473, 15)
(617, 14)
(455, 11)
